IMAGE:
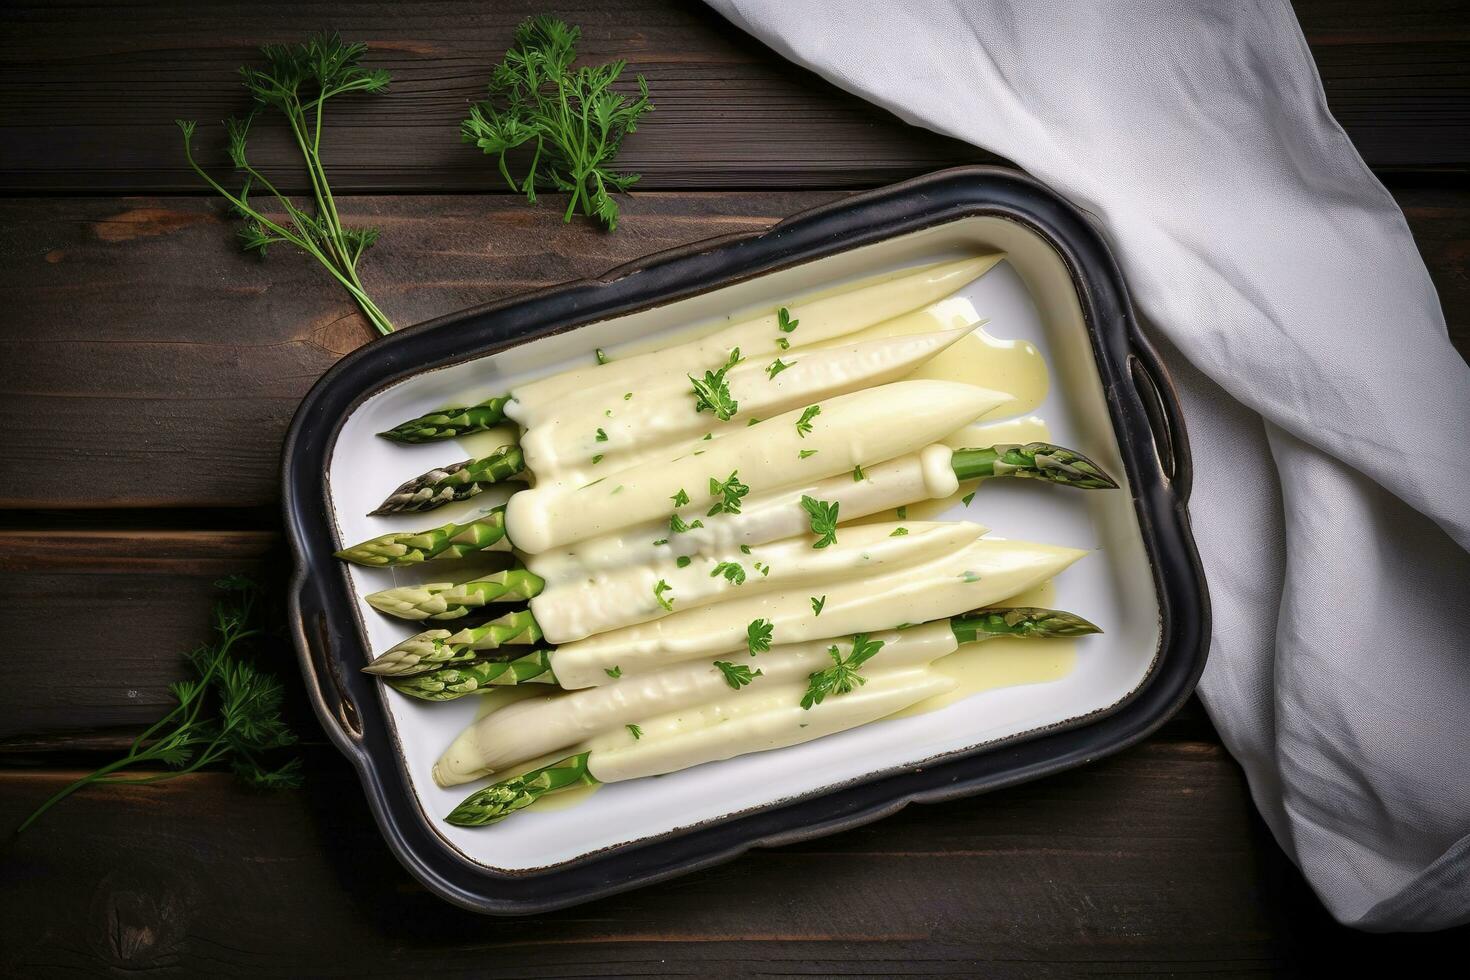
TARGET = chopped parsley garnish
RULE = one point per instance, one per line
(658, 594)
(635, 731)
(967, 498)
(627, 396)
(733, 571)
(758, 636)
(784, 321)
(970, 577)
(776, 367)
(804, 424)
(727, 494)
(597, 459)
(899, 532)
(752, 421)
(858, 474)
(783, 343)
(601, 435)
(681, 498)
(823, 520)
(902, 513)
(707, 437)
(763, 569)
(842, 676)
(683, 561)
(713, 393)
(660, 541)
(817, 605)
(745, 549)
(613, 672)
(677, 525)
(602, 357)
(804, 453)
(737, 675)
(608, 413)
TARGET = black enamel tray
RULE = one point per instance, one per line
(1145, 419)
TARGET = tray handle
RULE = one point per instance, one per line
(324, 685)
(1165, 418)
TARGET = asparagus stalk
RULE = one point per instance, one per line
(1033, 461)
(450, 423)
(451, 540)
(448, 683)
(459, 481)
(494, 803)
(458, 665)
(436, 648)
(447, 600)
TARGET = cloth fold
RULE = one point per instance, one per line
(1328, 413)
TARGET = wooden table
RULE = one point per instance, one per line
(149, 372)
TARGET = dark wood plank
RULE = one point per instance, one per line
(142, 312)
(1149, 862)
(91, 110)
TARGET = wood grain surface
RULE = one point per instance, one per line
(148, 372)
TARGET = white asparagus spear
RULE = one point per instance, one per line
(531, 728)
(821, 319)
(661, 410)
(764, 517)
(863, 427)
(610, 599)
(980, 574)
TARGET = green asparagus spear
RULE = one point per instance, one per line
(449, 541)
(449, 423)
(437, 648)
(498, 801)
(1024, 621)
(1036, 461)
(448, 683)
(457, 482)
(447, 600)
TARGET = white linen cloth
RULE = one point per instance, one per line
(1328, 414)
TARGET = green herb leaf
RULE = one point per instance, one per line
(658, 595)
(635, 731)
(678, 526)
(902, 513)
(784, 321)
(823, 520)
(733, 571)
(745, 549)
(758, 636)
(574, 119)
(683, 561)
(842, 677)
(967, 498)
(613, 672)
(817, 605)
(601, 436)
(737, 675)
(712, 394)
(805, 453)
(899, 532)
(727, 494)
(601, 355)
(804, 424)
(597, 459)
(782, 343)
(857, 473)
(680, 499)
(777, 366)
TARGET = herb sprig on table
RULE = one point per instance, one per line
(229, 712)
(572, 119)
(298, 80)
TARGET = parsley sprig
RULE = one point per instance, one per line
(822, 519)
(737, 675)
(758, 636)
(804, 424)
(727, 494)
(842, 676)
(712, 392)
(298, 80)
(574, 119)
(228, 712)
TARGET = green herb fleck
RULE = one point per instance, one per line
(601, 435)
(737, 675)
(783, 344)
(658, 594)
(857, 473)
(713, 393)
(970, 577)
(677, 525)
(967, 498)
(745, 549)
(602, 357)
(805, 453)
(613, 672)
(817, 605)
(842, 677)
(627, 396)
(660, 541)
(597, 459)
(683, 561)
(758, 636)
(727, 494)
(902, 513)
(784, 321)
(681, 498)
(776, 367)
(899, 532)
(635, 731)
(733, 571)
(804, 424)
(823, 520)
(752, 421)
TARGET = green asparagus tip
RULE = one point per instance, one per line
(458, 481)
(1024, 621)
(1035, 461)
(449, 423)
(498, 801)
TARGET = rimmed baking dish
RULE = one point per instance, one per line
(1058, 289)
